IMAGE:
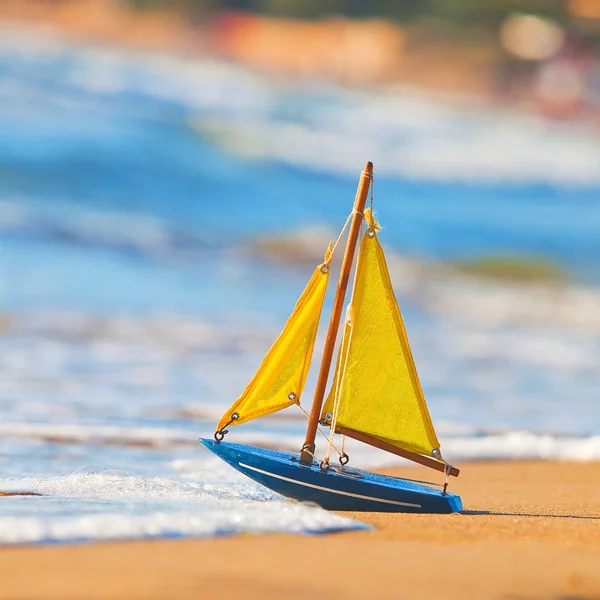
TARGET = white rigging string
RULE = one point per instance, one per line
(347, 323)
(327, 262)
(321, 432)
(339, 378)
(333, 249)
(344, 352)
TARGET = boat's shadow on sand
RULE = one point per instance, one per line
(490, 513)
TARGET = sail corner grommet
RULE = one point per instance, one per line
(220, 433)
(326, 420)
(370, 232)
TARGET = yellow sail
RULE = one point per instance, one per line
(379, 390)
(280, 379)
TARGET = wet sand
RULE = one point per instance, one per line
(529, 530)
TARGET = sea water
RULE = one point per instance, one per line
(137, 296)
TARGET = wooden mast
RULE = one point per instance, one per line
(362, 193)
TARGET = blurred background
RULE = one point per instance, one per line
(171, 172)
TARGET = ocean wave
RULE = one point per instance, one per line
(523, 445)
(204, 497)
(433, 286)
(460, 442)
(575, 307)
(177, 375)
(511, 153)
(117, 339)
(438, 288)
(330, 128)
(61, 433)
(141, 235)
(486, 446)
(142, 437)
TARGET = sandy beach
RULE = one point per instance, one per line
(529, 530)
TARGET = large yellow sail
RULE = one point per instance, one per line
(280, 379)
(379, 391)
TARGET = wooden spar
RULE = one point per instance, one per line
(426, 461)
(338, 306)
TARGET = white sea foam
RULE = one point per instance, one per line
(523, 445)
(200, 496)
(509, 445)
(108, 505)
(281, 517)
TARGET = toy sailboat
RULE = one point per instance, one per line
(375, 398)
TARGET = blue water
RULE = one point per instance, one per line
(133, 190)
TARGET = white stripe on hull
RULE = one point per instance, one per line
(331, 491)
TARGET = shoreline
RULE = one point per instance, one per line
(529, 530)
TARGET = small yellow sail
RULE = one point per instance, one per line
(379, 390)
(280, 379)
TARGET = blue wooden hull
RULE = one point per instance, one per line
(342, 488)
